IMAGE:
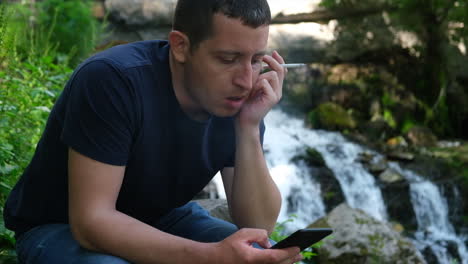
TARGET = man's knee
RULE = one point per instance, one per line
(96, 258)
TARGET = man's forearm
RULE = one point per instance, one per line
(118, 234)
(256, 200)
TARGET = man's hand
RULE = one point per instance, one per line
(266, 92)
(238, 249)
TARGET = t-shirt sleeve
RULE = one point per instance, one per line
(100, 116)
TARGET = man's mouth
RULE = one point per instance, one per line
(236, 98)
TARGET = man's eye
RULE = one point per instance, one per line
(227, 60)
(258, 61)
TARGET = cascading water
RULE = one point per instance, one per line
(434, 228)
(286, 137)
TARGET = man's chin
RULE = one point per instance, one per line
(226, 113)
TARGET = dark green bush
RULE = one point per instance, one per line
(55, 26)
(38, 43)
(75, 30)
(28, 90)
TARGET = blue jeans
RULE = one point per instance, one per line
(54, 243)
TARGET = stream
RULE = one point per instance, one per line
(286, 136)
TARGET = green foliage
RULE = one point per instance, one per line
(278, 232)
(439, 116)
(33, 71)
(387, 100)
(377, 243)
(55, 26)
(67, 18)
(7, 245)
(439, 26)
(6, 37)
(408, 123)
(28, 90)
(2, 25)
(388, 117)
(331, 116)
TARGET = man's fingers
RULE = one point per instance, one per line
(274, 65)
(265, 243)
(242, 251)
(294, 255)
(278, 57)
(273, 82)
(280, 256)
(253, 235)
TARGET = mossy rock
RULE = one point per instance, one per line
(331, 116)
(311, 157)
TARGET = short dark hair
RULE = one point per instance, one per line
(195, 17)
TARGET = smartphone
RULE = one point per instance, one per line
(304, 238)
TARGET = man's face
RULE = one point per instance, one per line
(222, 71)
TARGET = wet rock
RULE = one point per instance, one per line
(377, 166)
(429, 255)
(452, 249)
(371, 163)
(330, 188)
(400, 155)
(457, 201)
(365, 157)
(421, 137)
(216, 207)
(398, 227)
(311, 157)
(390, 176)
(397, 198)
(359, 238)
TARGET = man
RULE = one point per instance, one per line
(139, 130)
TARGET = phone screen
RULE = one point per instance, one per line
(303, 238)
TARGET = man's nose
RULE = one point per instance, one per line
(243, 76)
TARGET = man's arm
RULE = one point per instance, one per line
(98, 226)
(253, 197)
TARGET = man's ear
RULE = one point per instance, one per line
(180, 45)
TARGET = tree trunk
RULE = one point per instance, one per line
(327, 15)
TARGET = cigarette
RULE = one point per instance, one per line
(289, 65)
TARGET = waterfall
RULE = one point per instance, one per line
(434, 228)
(287, 136)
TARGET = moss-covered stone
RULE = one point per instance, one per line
(314, 158)
(311, 157)
(331, 116)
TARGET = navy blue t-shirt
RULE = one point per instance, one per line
(119, 108)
